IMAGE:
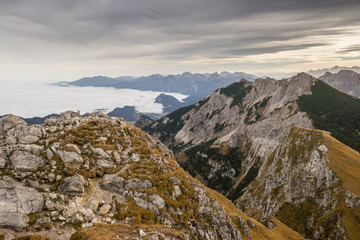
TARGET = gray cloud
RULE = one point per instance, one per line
(174, 30)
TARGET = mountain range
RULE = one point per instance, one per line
(266, 145)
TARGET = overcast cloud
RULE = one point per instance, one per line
(54, 40)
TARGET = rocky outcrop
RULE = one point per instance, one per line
(98, 169)
(298, 185)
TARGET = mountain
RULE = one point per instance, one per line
(226, 139)
(345, 80)
(169, 103)
(128, 112)
(196, 85)
(98, 177)
(310, 183)
(336, 69)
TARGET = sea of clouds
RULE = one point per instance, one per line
(39, 99)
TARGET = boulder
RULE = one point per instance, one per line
(70, 157)
(10, 121)
(73, 186)
(29, 134)
(16, 202)
(25, 161)
(112, 183)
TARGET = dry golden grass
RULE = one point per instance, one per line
(280, 232)
(123, 231)
(345, 162)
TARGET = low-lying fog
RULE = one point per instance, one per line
(39, 99)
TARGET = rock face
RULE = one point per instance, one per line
(302, 185)
(62, 180)
(345, 80)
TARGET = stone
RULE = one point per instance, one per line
(100, 152)
(87, 214)
(142, 233)
(73, 146)
(177, 191)
(104, 209)
(2, 162)
(103, 164)
(94, 205)
(158, 201)
(29, 134)
(117, 157)
(86, 225)
(10, 121)
(73, 186)
(251, 223)
(77, 219)
(25, 161)
(112, 183)
(70, 157)
(49, 154)
(136, 183)
(16, 202)
(135, 157)
(244, 227)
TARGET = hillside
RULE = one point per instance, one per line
(311, 184)
(99, 175)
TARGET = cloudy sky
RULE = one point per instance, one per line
(63, 40)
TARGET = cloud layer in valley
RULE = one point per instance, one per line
(38, 100)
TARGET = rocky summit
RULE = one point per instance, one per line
(98, 177)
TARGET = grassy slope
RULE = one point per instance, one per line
(345, 162)
(333, 111)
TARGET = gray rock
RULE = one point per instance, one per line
(2, 162)
(70, 157)
(136, 183)
(87, 214)
(73, 186)
(112, 183)
(94, 205)
(103, 164)
(29, 134)
(77, 219)
(244, 227)
(16, 202)
(25, 161)
(100, 152)
(104, 209)
(10, 121)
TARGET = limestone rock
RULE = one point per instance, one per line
(73, 186)
(10, 121)
(70, 157)
(25, 161)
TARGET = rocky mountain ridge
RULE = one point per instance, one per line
(345, 80)
(77, 172)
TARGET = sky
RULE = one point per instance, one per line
(64, 40)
